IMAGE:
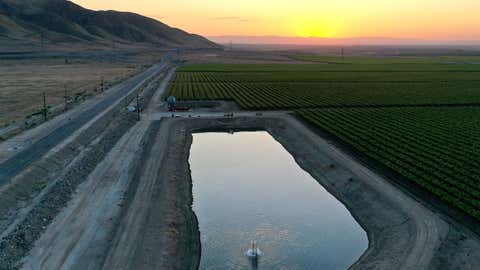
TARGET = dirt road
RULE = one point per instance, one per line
(91, 215)
(159, 230)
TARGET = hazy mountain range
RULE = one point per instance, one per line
(50, 22)
(285, 40)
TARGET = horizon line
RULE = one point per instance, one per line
(372, 40)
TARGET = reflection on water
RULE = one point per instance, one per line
(247, 187)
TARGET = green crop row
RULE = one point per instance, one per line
(315, 86)
(437, 148)
(300, 95)
(329, 76)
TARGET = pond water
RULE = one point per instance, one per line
(247, 187)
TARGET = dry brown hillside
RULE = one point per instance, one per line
(51, 22)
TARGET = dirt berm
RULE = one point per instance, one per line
(158, 229)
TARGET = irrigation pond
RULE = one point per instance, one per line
(246, 188)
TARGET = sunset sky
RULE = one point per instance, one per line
(416, 19)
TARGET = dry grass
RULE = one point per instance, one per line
(22, 83)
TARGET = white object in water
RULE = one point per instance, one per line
(254, 252)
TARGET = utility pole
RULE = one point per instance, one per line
(44, 107)
(66, 98)
(138, 108)
(102, 84)
(42, 41)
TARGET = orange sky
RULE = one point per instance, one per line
(417, 19)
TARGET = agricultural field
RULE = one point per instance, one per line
(420, 119)
(386, 60)
(317, 86)
(437, 148)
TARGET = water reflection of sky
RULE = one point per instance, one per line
(247, 187)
